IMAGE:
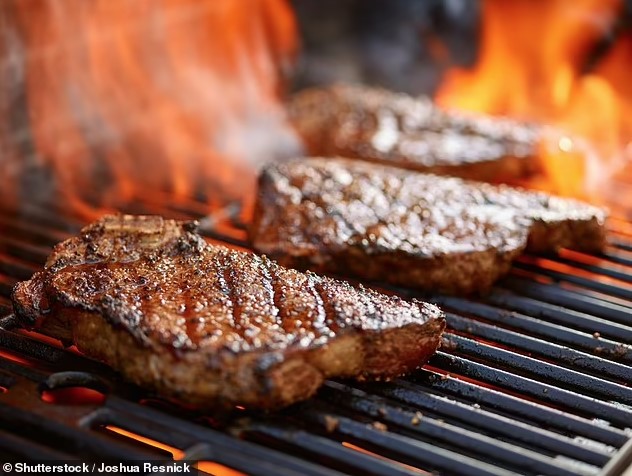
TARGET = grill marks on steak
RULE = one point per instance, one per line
(210, 325)
(377, 125)
(419, 230)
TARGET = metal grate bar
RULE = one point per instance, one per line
(560, 354)
(50, 217)
(545, 371)
(412, 452)
(624, 245)
(598, 270)
(434, 429)
(570, 299)
(24, 250)
(228, 451)
(537, 327)
(420, 394)
(573, 402)
(613, 290)
(12, 445)
(17, 268)
(568, 317)
(24, 422)
(327, 450)
(38, 234)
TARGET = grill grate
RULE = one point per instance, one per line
(532, 379)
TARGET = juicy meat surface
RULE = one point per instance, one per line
(212, 326)
(438, 234)
(381, 126)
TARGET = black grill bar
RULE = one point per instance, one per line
(568, 317)
(413, 452)
(597, 270)
(545, 371)
(610, 289)
(617, 258)
(437, 429)
(559, 397)
(532, 379)
(623, 245)
(323, 448)
(584, 339)
(595, 366)
(30, 450)
(475, 402)
(571, 299)
(22, 421)
(221, 448)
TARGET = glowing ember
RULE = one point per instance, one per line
(359, 449)
(107, 102)
(537, 62)
(73, 396)
(177, 454)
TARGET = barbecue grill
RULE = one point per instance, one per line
(531, 379)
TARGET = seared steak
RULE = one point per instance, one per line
(419, 230)
(213, 326)
(377, 125)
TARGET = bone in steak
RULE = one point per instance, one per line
(381, 126)
(213, 326)
(430, 232)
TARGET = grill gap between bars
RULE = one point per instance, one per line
(532, 379)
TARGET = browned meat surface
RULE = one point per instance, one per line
(411, 132)
(213, 326)
(434, 233)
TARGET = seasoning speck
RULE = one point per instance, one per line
(331, 424)
(379, 426)
(416, 419)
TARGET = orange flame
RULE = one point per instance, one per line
(359, 449)
(536, 64)
(209, 467)
(121, 99)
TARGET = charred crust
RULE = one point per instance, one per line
(25, 308)
(209, 325)
(436, 234)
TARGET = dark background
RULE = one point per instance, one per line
(404, 45)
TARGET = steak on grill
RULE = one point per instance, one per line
(212, 326)
(381, 126)
(434, 233)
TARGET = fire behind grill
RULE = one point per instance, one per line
(533, 379)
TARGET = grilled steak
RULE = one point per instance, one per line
(419, 230)
(213, 326)
(377, 125)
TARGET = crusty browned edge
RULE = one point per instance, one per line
(459, 274)
(506, 169)
(263, 380)
(588, 235)
(254, 379)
